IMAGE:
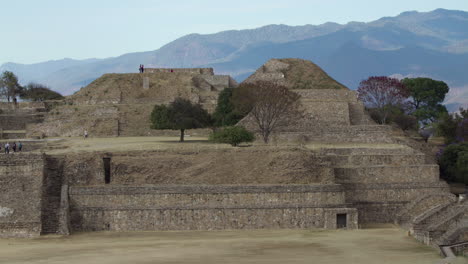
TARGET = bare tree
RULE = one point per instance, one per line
(269, 105)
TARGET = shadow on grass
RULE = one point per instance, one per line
(186, 141)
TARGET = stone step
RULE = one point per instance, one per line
(449, 215)
(334, 137)
(390, 149)
(421, 205)
(387, 174)
(358, 116)
(376, 160)
(431, 216)
(454, 230)
(324, 127)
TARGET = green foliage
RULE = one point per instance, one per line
(160, 117)
(232, 135)
(447, 127)
(179, 115)
(405, 122)
(429, 114)
(225, 113)
(38, 93)
(395, 115)
(452, 126)
(426, 98)
(9, 86)
(453, 163)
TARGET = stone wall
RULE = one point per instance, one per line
(206, 207)
(18, 121)
(381, 203)
(206, 166)
(220, 81)
(4, 106)
(21, 179)
(208, 71)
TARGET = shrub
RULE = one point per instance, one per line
(406, 122)
(462, 131)
(453, 162)
(396, 115)
(447, 127)
(232, 135)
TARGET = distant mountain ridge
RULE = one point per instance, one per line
(433, 44)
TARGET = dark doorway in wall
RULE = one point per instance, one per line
(107, 170)
(341, 221)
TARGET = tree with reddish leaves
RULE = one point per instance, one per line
(382, 94)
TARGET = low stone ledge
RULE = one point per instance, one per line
(395, 186)
(172, 208)
(20, 229)
(202, 189)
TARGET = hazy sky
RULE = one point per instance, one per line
(39, 30)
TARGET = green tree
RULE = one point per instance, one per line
(426, 96)
(453, 163)
(453, 126)
(181, 114)
(9, 86)
(38, 93)
(225, 113)
(232, 135)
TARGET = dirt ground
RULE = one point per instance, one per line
(122, 144)
(78, 144)
(366, 246)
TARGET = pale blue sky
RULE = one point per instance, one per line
(38, 30)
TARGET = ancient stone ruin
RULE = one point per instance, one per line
(333, 169)
(120, 104)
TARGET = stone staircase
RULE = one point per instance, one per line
(381, 181)
(421, 205)
(438, 219)
(358, 115)
(51, 196)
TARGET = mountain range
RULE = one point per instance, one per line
(430, 44)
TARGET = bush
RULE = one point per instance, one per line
(232, 135)
(406, 122)
(453, 162)
(396, 115)
(376, 115)
(462, 131)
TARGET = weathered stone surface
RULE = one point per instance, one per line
(21, 178)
